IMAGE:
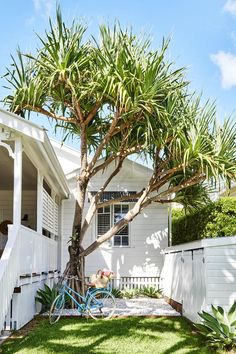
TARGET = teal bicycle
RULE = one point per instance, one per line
(99, 303)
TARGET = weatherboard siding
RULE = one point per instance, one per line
(148, 231)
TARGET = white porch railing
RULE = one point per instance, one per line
(26, 252)
(9, 270)
(37, 252)
(50, 213)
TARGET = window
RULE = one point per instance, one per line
(108, 216)
(122, 237)
(103, 220)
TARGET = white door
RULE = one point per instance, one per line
(194, 289)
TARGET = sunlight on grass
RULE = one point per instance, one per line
(118, 336)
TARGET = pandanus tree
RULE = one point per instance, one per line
(121, 98)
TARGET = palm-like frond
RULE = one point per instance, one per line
(123, 76)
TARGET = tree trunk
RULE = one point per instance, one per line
(75, 266)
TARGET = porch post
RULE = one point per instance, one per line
(17, 195)
(39, 202)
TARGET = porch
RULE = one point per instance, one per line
(26, 197)
(31, 191)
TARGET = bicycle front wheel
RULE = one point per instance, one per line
(56, 309)
(101, 305)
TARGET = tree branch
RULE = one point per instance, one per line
(103, 165)
(104, 142)
(93, 205)
(120, 224)
(92, 113)
(142, 202)
(120, 199)
(84, 151)
(197, 178)
(51, 114)
(123, 153)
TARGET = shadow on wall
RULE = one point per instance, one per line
(142, 258)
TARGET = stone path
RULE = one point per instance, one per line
(136, 307)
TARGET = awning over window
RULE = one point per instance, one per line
(106, 196)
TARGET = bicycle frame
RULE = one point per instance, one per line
(89, 293)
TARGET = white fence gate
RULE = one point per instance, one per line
(200, 273)
(183, 280)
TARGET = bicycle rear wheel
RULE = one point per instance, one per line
(56, 309)
(101, 305)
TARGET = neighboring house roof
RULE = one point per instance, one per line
(36, 140)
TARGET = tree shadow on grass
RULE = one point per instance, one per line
(126, 335)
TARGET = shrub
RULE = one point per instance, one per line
(148, 291)
(216, 219)
(116, 293)
(151, 291)
(219, 328)
(129, 293)
(46, 297)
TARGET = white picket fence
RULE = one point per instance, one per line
(134, 282)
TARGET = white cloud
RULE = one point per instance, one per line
(44, 7)
(30, 21)
(230, 6)
(227, 65)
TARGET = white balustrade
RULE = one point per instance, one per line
(37, 252)
(9, 271)
(26, 252)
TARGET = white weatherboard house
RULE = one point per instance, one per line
(37, 186)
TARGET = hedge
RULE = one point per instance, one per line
(216, 219)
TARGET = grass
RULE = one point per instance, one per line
(117, 336)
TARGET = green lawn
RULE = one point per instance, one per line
(116, 336)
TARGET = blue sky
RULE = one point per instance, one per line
(203, 35)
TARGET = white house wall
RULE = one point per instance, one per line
(148, 238)
(148, 231)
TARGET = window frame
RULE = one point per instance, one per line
(97, 235)
(112, 213)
